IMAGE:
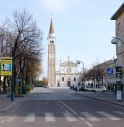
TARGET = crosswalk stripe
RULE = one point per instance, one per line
(108, 115)
(89, 116)
(30, 118)
(119, 112)
(49, 117)
(10, 118)
(2, 121)
(69, 116)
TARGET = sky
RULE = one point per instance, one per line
(83, 27)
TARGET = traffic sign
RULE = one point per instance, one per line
(6, 66)
(110, 70)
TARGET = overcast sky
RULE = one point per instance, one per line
(83, 27)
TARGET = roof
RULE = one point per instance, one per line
(69, 63)
(118, 12)
(51, 27)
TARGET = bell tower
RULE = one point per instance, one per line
(51, 57)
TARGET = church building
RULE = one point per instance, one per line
(67, 74)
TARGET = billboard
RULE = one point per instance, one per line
(6, 66)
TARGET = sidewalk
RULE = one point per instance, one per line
(108, 97)
(6, 103)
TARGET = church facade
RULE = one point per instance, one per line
(68, 74)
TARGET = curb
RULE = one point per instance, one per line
(121, 105)
(11, 105)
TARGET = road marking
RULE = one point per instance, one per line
(10, 118)
(108, 115)
(119, 112)
(81, 118)
(89, 124)
(69, 117)
(89, 116)
(2, 121)
(69, 108)
(30, 118)
(50, 117)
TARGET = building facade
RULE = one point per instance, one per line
(68, 74)
(119, 28)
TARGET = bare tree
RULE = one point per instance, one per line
(22, 40)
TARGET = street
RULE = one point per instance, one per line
(60, 107)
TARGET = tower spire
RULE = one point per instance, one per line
(51, 31)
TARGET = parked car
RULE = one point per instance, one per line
(88, 88)
(99, 89)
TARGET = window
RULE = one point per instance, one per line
(74, 79)
(51, 41)
(62, 79)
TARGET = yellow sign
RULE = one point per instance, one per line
(6, 66)
(6, 58)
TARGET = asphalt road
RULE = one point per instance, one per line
(45, 107)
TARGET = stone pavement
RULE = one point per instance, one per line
(108, 97)
(6, 103)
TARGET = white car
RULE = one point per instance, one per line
(99, 89)
(88, 88)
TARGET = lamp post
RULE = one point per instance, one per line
(13, 80)
(78, 62)
(117, 41)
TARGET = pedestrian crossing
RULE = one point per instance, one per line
(108, 115)
(68, 116)
(49, 117)
(30, 118)
(89, 116)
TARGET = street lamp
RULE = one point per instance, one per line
(13, 78)
(78, 62)
(118, 41)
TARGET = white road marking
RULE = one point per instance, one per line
(69, 116)
(69, 108)
(50, 117)
(89, 116)
(89, 124)
(30, 118)
(10, 118)
(119, 112)
(2, 121)
(108, 115)
(81, 118)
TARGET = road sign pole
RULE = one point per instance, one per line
(118, 82)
